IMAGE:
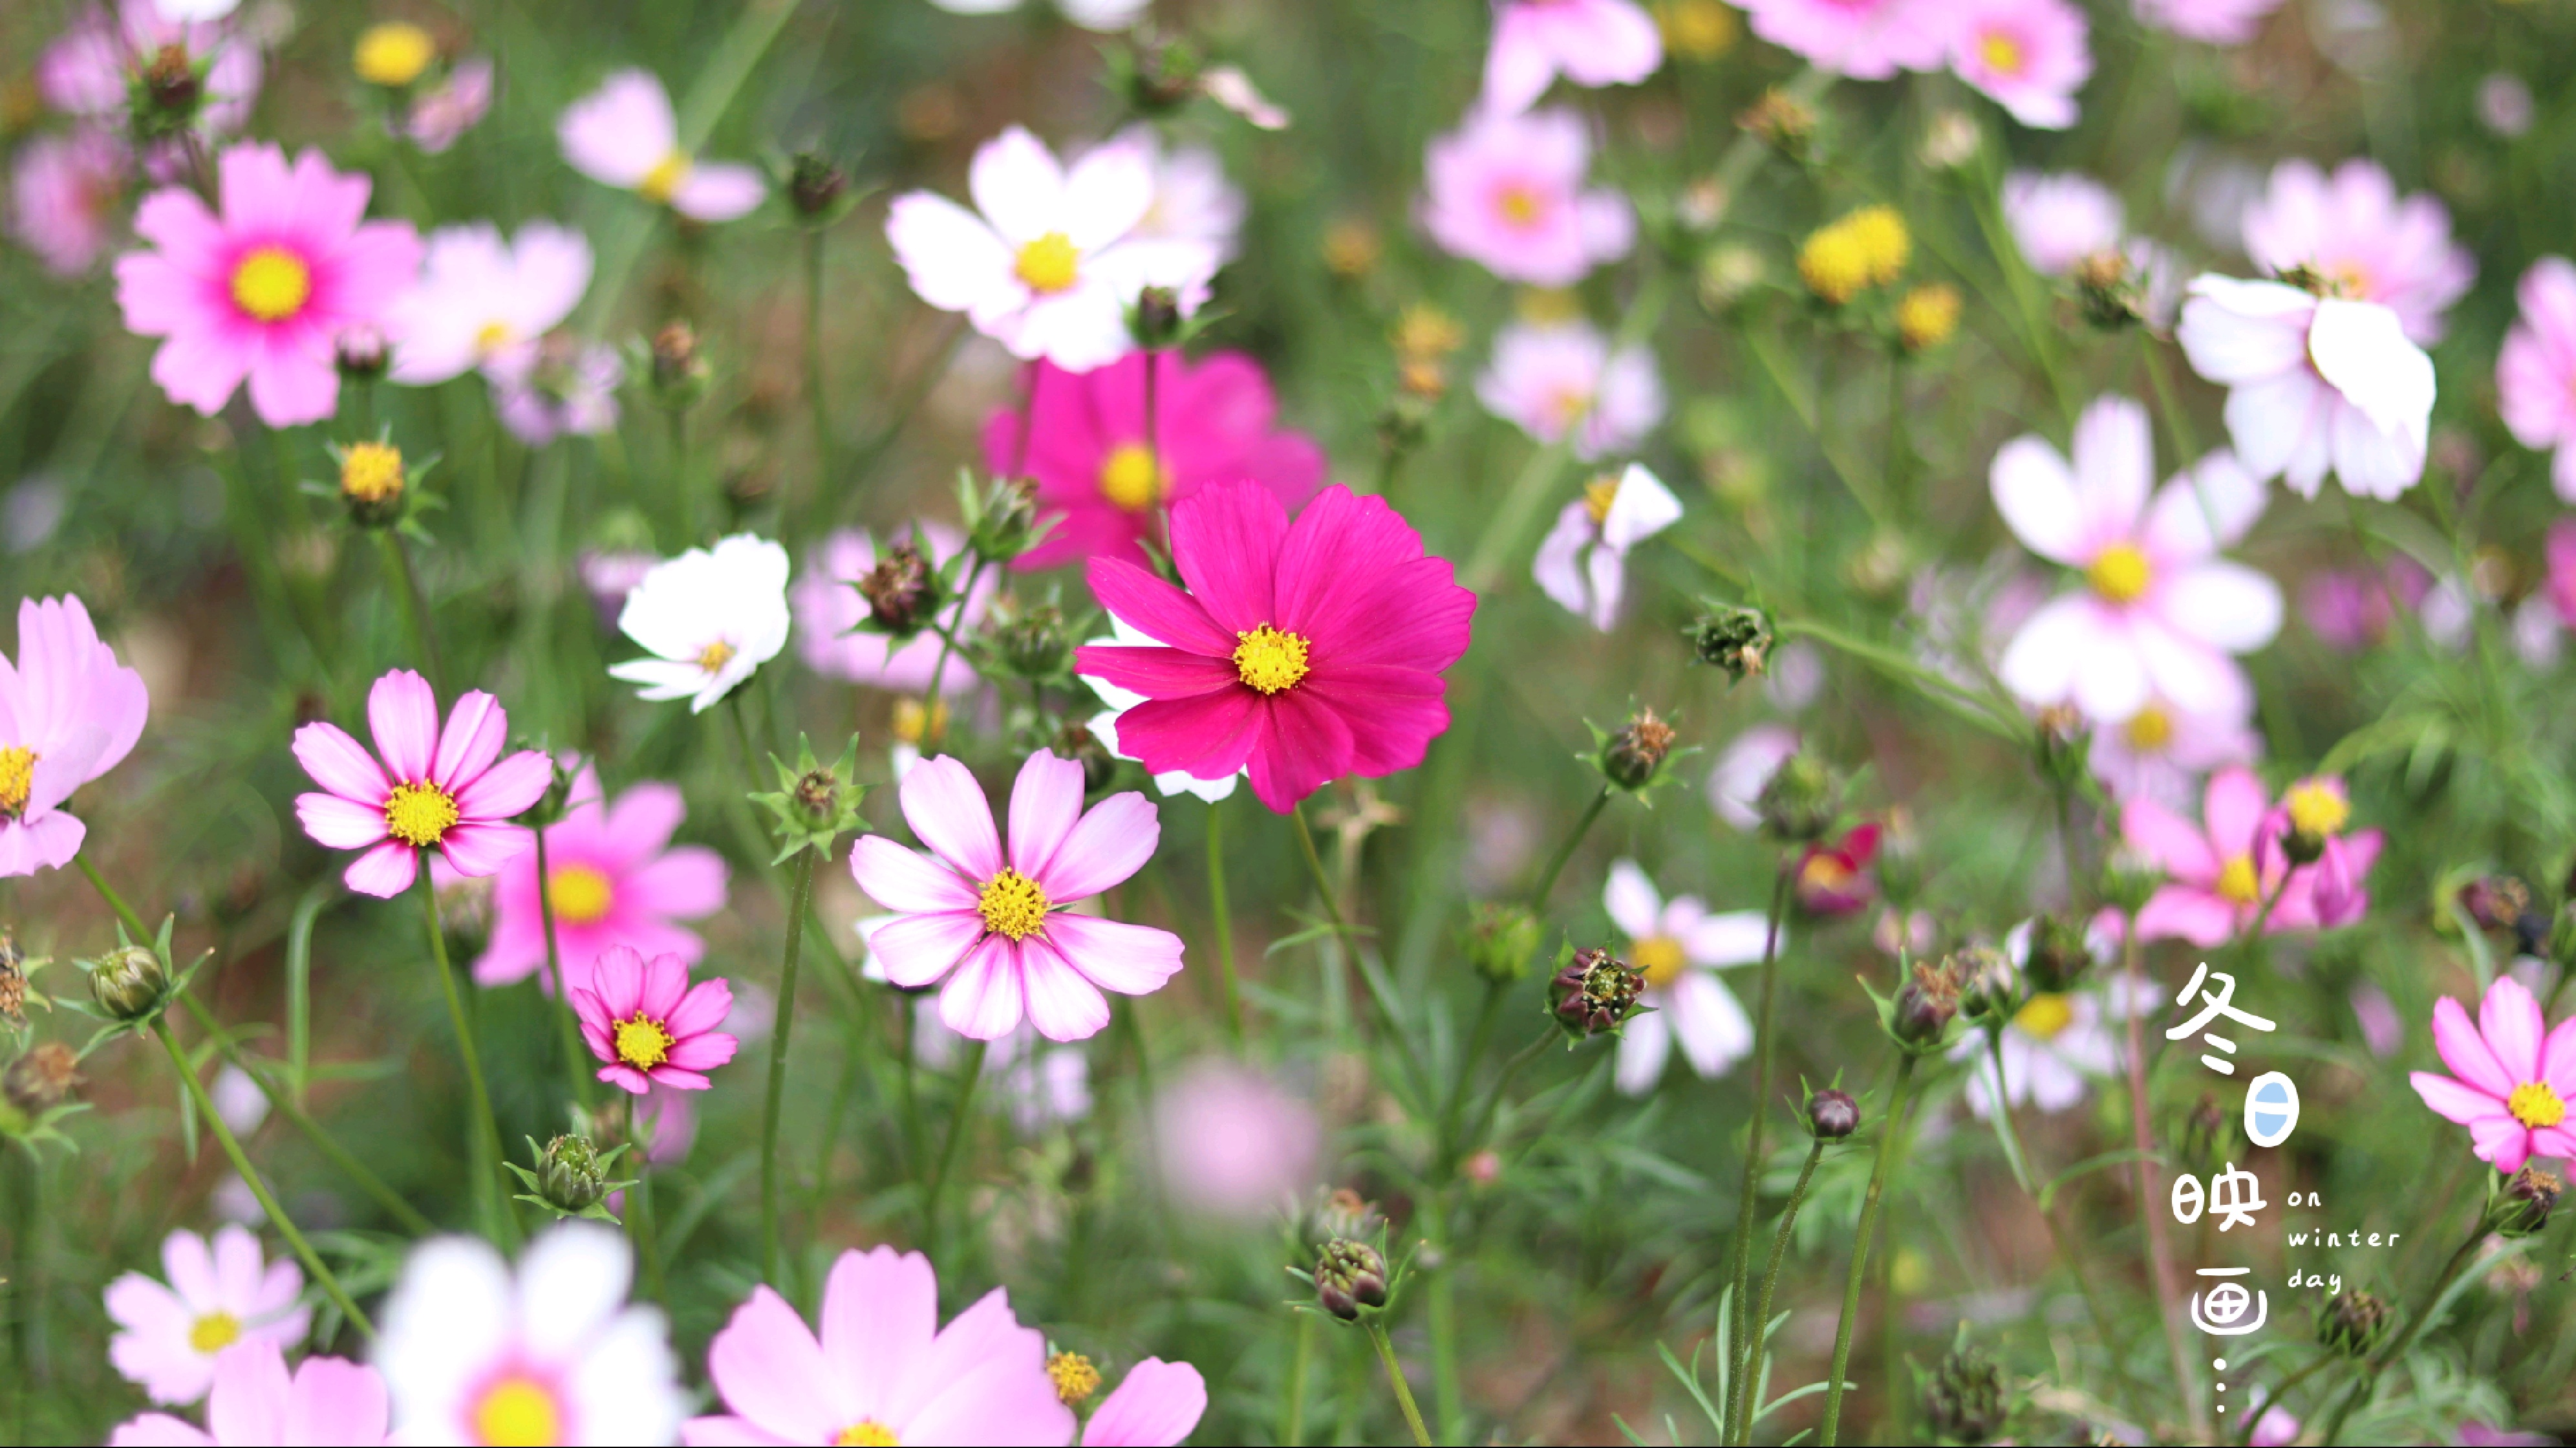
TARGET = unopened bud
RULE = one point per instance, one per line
(172, 86)
(1926, 1004)
(679, 370)
(13, 979)
(570, 1175)
(1158, 319)
(127, 983)
(1074, 1377)
(2522, 1207)
(1631, 757)
(1002, 522)
(1951, 141)
(1781, 121)
(813, 184)
(1832, 1115)
(1501, 941)
(1594, 994)
(2130, 878)
(1987, 990)
(2496, 902)
(902, 590)
(818, 795)
(1799, 801)
(41, 1079)
(360, 353)
(2060, 953)
(2111, 292)
(1349, 1276)
(1900, 859)
(1963, 1400)
(1733, 638)
(1729, 274)
(372, 481)
(2064, 744)
(1029, 642)
(2354, 1321)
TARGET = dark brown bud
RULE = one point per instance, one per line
(1349, 1276)
(1963, 1400)
(39, 1080)
(1595, 993)
(2110, 290)
(902, 591)
(2354, 1321)
(679, 370)
(2059, 953)
(813, 184)
(1633, 755)
(2522, 1208)
(1733, 638)
(1926, 1004)
(171, 82)
(1832, 1115)
(2497, 902)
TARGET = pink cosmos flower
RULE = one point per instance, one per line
(995, 925)
(65, 193)
(1834, 878)
(2060, 218)
(172, 1335)
(1158, 1405)
(1107, 484)
(69, 712)
(1231, 1144)
(1679, 946)
(2351, 609)
(828, 607)
(447, 788)
(263, 290)
(2163, 750)
(1589, 42)
(1583, 561)
(1505, 190)
(2316, 384)
(2536, 371)
(649, 1024)
(2219, 873)
(2220, 22)
(2512, 1084)
(1560, 379)
(882, 1370)
(1306, 652)
(1192, 199)
(624, 135)
(479, 297)
(447, 110)
(555, 387)
(256, 1405)
(1735, 783)
(2029, 56)
(2561, 586)
(2354, 231)
(89, 71)
(1863, 39)
(2160, 610)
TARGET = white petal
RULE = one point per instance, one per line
(2236, 331)
(1714, 1031)
(1732, 938)
(1644, 1044)
(572, 1281)
(2362, 349)
(1019, 187)
(2225, 605)
(953, 260)
(2208, 508)
(1641, 508)
(2277, 426)
(2035, 491)
(2039, 665)
(1631, 899)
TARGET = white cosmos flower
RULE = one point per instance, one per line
(1583, 563)
(480, 298)
(2317, 384)
(1102, 15)
(473, 1353)
(2058, 1043)
(1104, 725)
(1055, 258)
(1679, 947)
(709, 617)
(1193, 200)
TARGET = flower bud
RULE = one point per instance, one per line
(360, 353)
(679, 369)
(2496, 902)
(2063, 743)
(1344, 1213)
(2111, 292)
(2354, 1321)
(168, 91)
(1632, 756)
(1501, 941)
(902, 591)
(13, 979)
(127, 983)
(41, 1079)
(1158, 319)
(570, 1175)
(1781, 121)
(1001, 522)
(1799, 801)
(1963, 1400)
(1029, 641)
(815, 803)
(1951, 141)
(1595, 993)
(2130, 878)
(1349, 1276)
(1926, 1004)
(2522, 1207)
(1832, 1115)
(1074, 1377)
(2059, 953)
(1987, 989)
(1733, 638)
(814, 184)
(372, 481)
(1900, 859)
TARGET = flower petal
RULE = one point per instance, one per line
(947, 810)
(916, 950)
(907, 880)
(2452, 1101)
(2466, 1052)
(1114, 955)
(2509, 1019)
(1631, 900)
(1062, 1004)
(1111, 842)
(402, 713)
(385, 871)
(1046, 802)
(984, 999)
(472, 739)
(339, 764)
(339, 824)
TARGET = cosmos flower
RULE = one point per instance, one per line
(1863, 39)
(2219, 872)
(1557, 381)
(479, 297)
(65, 195)
(171, 1335)
(2058, 1042)
(2060, 218)
(557, 386)
(2029, 56)
(2355, 233)
(1505, 190)
(1833, 877)
(2163, 750)
(2536, 371)
(255, 1404)
(450, 107)
(1679, 947)
(447, 789)
(1232, 1145)
(1158, 1405)
(69, 712)
(1589, 42)
(1104, 725)
(649, 1024)
(2316, 384)
(1193, 201)
(1583, 561)
(624, 135)
(2220, 22)
(2509, 1085)
(709, 618)
(90, 71)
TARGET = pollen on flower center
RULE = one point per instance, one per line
(643, 1042)
(517, 1412)
(663, 182)
(2237, 881)
(491, 338)
(2318, 812)
(1133, 478)
(17, 778)
(371, 472)
(216, 1331)
(2119, 573)
(1659, 958)
(1598, 495)
(1074, 1377)
(394, 54)
(419, 814)
(2150, 729)
(1270, 660)
(1048, 264)
(1013, 905)
(867, 1433)
(578, 894)
(2535, 1104)
(716, 655)
(2043, 1016)
(2000, 52)
(1521, 205)
(271, 284)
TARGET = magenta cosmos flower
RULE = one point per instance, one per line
(1158, 1406)
(649, 1024)
(2357, 234)
(1303, 652)
(2219, 872)
(996, 925)
(2536, 371)
(1863, 39)
(1106, 483)
(69, 712)
(444, 788)
(1505, 190)
(2513, 1085)
(264, 289)
(2029, 56)
(255, 1404)
(1589, 42)
(217, 1296)
(882, 1370)
(613, 878)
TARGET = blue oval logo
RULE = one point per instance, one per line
(2271, 1109)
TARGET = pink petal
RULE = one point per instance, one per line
(983, 1000)
(339, 824)
(158, 1430)
(478, 850)
(915, 950)
(472, 739)
(506, 789)
(666, 981)
(1157, 609)
(1046, 801)
(248, 1404)
(702, 1009)
(1112, 842)
(335, 1401)
(617, 981)
(907, 880)
(2169, 840)
(338, 764)
(1114, 955)
(2233, 810)
(703, 1052)
(947, 810)
(2188, 913)
(684, 884)
(2502, 1141)
(2465, 1051)
(880, 1315)
(385, 871)
(2510, 1021)
(2453, 1101)
(769, 1370)
(403, 715)
(1157, 673)
(1159, 1405)
(2558, 1059)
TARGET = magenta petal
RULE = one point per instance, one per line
(339, 764)
(626, 1077)
(702, 1052)
(2510, 1021)
(1339, 547)
(2187, 913)
(1208, 737)
(1157, 609)
(1157, 673)
(1308, 746)
(403, 715)
(2452, 1101)
(666, 981)
(2465, 1051)
(2501, 1140)
(472, 739)
(947, 810)
(702, 1009)
(617, 981)
(385, 871)
(1393, 714)
(476, 850)
(1226, 539)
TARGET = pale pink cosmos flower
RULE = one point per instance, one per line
(2512, 1084)
(217, 1296)
(1505, 190)
(1193, 201)
(2316, 384)
(2536, 371)
(69, 712)
(2504, 104)
(90, 70)
(1679, 947)
(2220, 22)
(649, 1024)
(558, 386)
(2560, 587)
(2058, 1042)
(2060, 218)
(450, 108)
(2029, 56)
(2354, 232)
(2162, 751)
(624, 135)
(1041, 1083)
(1589, 42)
(1863, 39)
(995, 925)
(65, 193)
(447, 789)
(2159, 610)
(263, 290)
(882, 1369)
(1735, 784)
(1583, 561)
(1561, 380)
(828, 610)
(1051, 258)
(255, 1404)
(479, 297)
(2382, 1030)
(2219, 872)
(1157, 1405)
(1231, 1145)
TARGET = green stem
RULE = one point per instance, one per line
(1292, 1431)
(1378, 993)
(931, 728)
(2159, 1244)
(1221, 922)
(823, 474)
(970, 1078)
(2369, 1378)
(2281, 1394)
(414, 605)
(124, 913)
(1446, 1148)
(1889, 1127)
(490, 1210)
(1448, 1401)
(1762, 1307)
(800, 890)
(639, 1204)
(1395, 1379)
(575, 1054)
(1740, 1270)
(1565, 852)
(250, 1177)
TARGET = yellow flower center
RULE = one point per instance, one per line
(1598, 495)
(17, 777)
(716, 655)
(2350, 280)
(578, 894)
(867, 1433)
(1696, 29)
(2119, 573)
(643, 1042)
(1270, 660)
(2000, 52)
(219, 1330)
(1013, 905)
(1074, 1377)
(517, 1412)
(1825, 873)
(371, 472)
(492, 338)
(914, 723)
(1049, 263)
(419, 814)
(2535, 1104)
(271, 284)
(1870, 245)
(1885, 244)
(663, 182)
(2237, 881)
(2316, 811)
(2150, 729)
(1520, 205)
(1133, 478)
(1659, 958)
(1567, 406)
(394, 54)
(2043, 1016)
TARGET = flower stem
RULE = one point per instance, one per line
(1771, 1279)
(124, 913)
(642, 1226)
(814, 397)
(969, 1079)
(250, 1177)
(574, 1054)
(1891, 1126)
(2159, 1243)
(1448, 1402)
(1221, 921)
(490, 1211)
(800, 890)
(415, 607)
(1292, 1431)
(1395, 1379)
(931, 728)
(1740, 1270)
(1565, 852)
(2369, 1377)
(1378, 993)
(2254, 1417)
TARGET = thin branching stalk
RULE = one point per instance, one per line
(1740, 1266)
(961, 1115)
(1748, 1408)
(800, 891)
(414, 605)
(1891, 1126)
(1292, 1428)
(641, 1225)
(1378, 992)
(824, 475)
(930, 725)
(1395, 1380)
(1221, 923)
(1565, 852)
(2368, 1378)
(576, 1057)
(489, 1206)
